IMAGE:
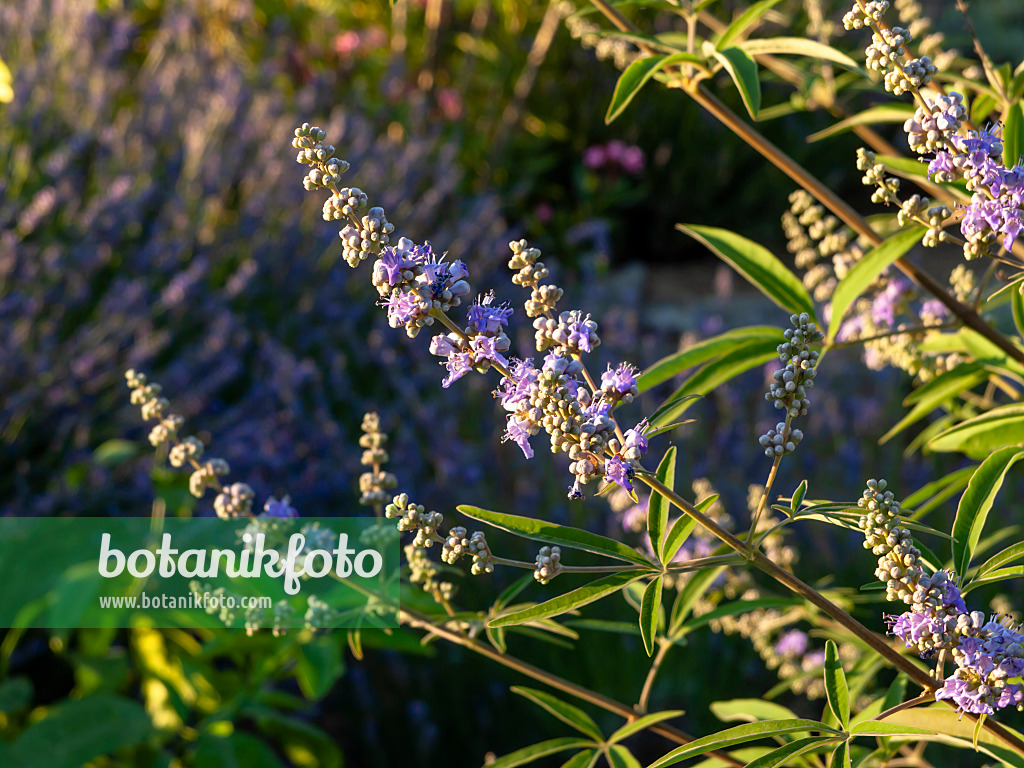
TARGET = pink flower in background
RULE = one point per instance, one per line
(450, 102)
(624, 157)
(346, 43)
(632, 160)
(615, 150)
(544, 212)
(594, 157)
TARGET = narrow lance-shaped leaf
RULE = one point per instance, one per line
(535, 752)
(577, 598)
(743, 22)
(550, 533)
(800, 46)
(977, 437)
(882, 728)
(1013, 135)
(841, 756)
(781, 756)
(567, 713)
(976, 503)
(1000, 559)
(636, 76)
(757, 264)
(835, 685)
(863, 273)
(650, 608)
(705, 350)
(585, 759)
(743, 70)
(657, 507)
(643, 723)
(620, 757)
(739, 735)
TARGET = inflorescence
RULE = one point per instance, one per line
(788, 390)
(988, 652)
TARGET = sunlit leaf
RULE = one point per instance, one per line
(976, 503)
(800, 46)
(534, 752)
(650, 609)
(743, 70)
(642, 723)
(636, 76)
(743, 22)
(577, 598)
(738, 735)
(567, 713)
(835, 685)
(705, 350)
(977, 437)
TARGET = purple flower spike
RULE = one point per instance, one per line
(621, 379)
(619, 472)
(486, 317)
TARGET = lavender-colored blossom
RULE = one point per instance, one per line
(934, 308)
(883, 308)
(792, 643)
(486, 317)
(517, 431)
(484, 349)
(635, 517)
(941, 163)
(635, 438)
(516, 390)
(403, 308)
(619, 472)
(458, 365)
(282, 508)
(579, 336)
(621, 379)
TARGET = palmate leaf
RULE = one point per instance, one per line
(976, 503)
(979, 436)
(864, 272)
(576, 598)
(757, 264)
(567, 713)
(550, 533)
(535, 752)
(705, 350)
(739, 735)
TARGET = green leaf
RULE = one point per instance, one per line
(841, 756)
(979, 436)
(885, 113)
(650, 608)
(577, 598)
(749, 710)
(636, 76)
(537, 751)
(114, 452)
(81, 730)
(567, 713)
(799, 46)
(1013, 134)
(864, 272)
(779, 757)
(688, 596)
(743, 70)
(798, 497)
(657, 510)
(15, 693)
(992, 577)
(882, 728)
(705, 350)
(738, 735)
(743, 22)
(643, 723)
(717, 372)
(1008, 555)
(550, 533)
(976, 503)
(1017, 308)
(835, 685)
(585, 759)
(739, 606)
(677, 535)
(757, 264)
(236, 750)
(951, 728)
(620, 757)
(939, 390)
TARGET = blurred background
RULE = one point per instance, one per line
(152, 217)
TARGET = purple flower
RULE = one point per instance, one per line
(487, 318)
(883, 308)
(942, 163)
(392, 263)
(594, 157)
(635, 438)
(282, 508)
(792, 643)
(403, 308)
(458, 365)
(935, 308)
(579, 336)
(619, 472)
(484, 349)
(517, 389)
(518, 432)
(442, 346)
(620, 380)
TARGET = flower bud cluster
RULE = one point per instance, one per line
(887, 188)
(480, 345)
(572, 333)
(621, 52)
(988, 654)
(932, 129)
(865, 15)
(460, 544)
(822, 247)
(374, 484)
(234, 500)
(788, 390)
(414, 517)
(344, 204)
(530, 272)
(325, 169)
(618, 385)
(424, 572)
(549, 564)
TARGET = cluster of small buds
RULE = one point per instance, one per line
(375, 483)
(325, 169)
(424, 572)
(234, 500)
(788, 389)
(548, 564)
(460, 544)
(344, 204)
(910, 75)
(206, 476)
(618, 385)
(887, 188)
(414, 517)
(621, 52)
(821, 246)
(865, 14)
(188, 450)
(572, 333)
(886, 48)
(482, 344)
(319, 613)
(415, 284)
(931, 129)
(543, 298)
(361, 240)
(166, 430)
